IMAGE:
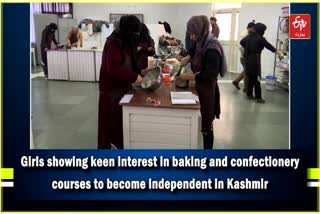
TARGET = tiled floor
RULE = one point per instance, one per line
(65, 117)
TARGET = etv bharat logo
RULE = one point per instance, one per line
(299, 26)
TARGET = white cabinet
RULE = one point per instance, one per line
(98, 59)
(81, 65)
(57, 65)
(161, 128)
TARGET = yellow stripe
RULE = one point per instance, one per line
(313, 173)
(6, 173)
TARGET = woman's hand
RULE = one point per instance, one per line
(280, 54)
(185, 60)
(138, 80)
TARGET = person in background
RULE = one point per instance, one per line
(116, 25)
(242, 75)
(207, 62)
(119, 69)
(47, 37)
(74, 37)
(145, 47)
(167, 27)
(253, 45)
(187, 40)
(215, 27)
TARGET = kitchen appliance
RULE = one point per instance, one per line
(153, 80)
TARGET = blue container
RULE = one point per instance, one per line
(270, 83)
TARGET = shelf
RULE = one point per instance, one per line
(285, 69)
(281, 32)
(281, 69)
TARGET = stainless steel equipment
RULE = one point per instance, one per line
(181, 83)
(152, 81)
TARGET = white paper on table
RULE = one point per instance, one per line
(126, 98)
(183, 101)
(182, 95)
(196, 98)
(185, 97)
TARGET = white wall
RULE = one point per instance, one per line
(176, 15)
(267, 14)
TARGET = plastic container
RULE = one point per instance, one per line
(270, 83)
(151, 61)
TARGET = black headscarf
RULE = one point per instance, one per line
(167, 27)
(199, 25)
(145, 34)
(260, 28)
(251, 24)
(127, 36)
(53, 27)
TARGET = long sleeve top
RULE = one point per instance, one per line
(215, 30)
(210, 66)
(147, 49)
(73, 38)
(255, 43)
(47, 38)
(114, 74)
(243, 34)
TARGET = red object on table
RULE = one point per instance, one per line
(165, 70)
(166, 78)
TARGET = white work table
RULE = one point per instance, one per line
(166, 126)
(77, 64)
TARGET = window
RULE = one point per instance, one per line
(52, 8)
(224, 21)
(228, 19)
(236, 32)
(56, 8)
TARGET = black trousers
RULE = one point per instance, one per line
(253, 84)
(208, 139)
(44, 60)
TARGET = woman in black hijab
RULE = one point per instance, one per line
(145, 47)
(207, 62)
(253, 45)
(118, 71)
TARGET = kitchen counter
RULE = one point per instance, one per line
(166, 126)
(162, 94)
(76, 64)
